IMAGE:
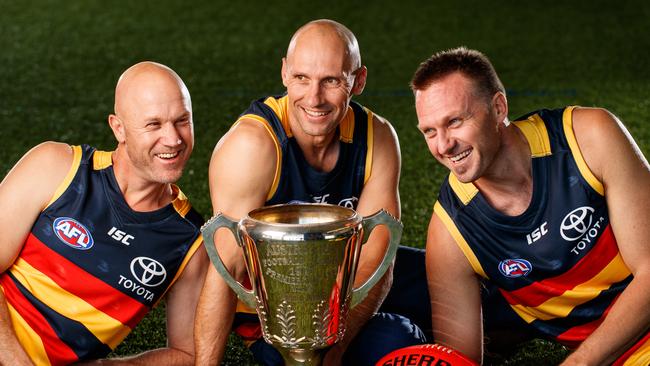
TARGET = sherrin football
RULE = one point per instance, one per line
(426, 355)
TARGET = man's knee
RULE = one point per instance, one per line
(382, 334)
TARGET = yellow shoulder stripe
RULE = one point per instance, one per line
(102, 159)
(458, 237)
(560, 306)
(535, 131)
(567, 122)
(108, 330)
(279, 106)
(28, 338)
(346, 128)
(76, 160)
(181, 203)
(464, 191)
(370, 144)
(278, 150)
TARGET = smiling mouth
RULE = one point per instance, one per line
(460, 157)
(315, 113)
(167, 156)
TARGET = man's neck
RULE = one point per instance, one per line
(508, 183)
(141, 195)
(320, 152)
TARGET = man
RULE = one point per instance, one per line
(93, 240)
(550, 212)
(312, 145)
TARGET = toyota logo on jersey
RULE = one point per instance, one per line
(72, 233)
(576, 223)
(147, 271)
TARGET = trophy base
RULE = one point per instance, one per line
(302, 357)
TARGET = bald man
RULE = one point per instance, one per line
(92, 240)
(311, 145)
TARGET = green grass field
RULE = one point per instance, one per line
(59, 61)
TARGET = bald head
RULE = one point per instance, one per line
(333, 35)
(148, 82)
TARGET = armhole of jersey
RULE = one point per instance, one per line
(76, 160)
(188, 256)
(28, 338)
(459, 239)
(567, 122)
(278, 150)
(371, 141)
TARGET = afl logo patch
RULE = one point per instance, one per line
(72, 233)
(514, 268)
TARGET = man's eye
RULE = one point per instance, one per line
(331, 82)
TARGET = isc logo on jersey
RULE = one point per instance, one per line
(72, 233)
(514, 268)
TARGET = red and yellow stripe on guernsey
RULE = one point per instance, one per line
(637, 355)
(556, 297)
(25, 324)
(72, 292)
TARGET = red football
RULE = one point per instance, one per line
(426, 355)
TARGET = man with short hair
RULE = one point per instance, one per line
(549, 212)
(93, 239)
(312, 145)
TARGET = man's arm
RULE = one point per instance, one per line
(241, 173)
(24, 192)
(379, 192)
(614, 158)
(454, 292)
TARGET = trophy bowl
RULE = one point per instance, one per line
(301, 260)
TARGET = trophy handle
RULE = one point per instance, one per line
(208, 230)
(395, 229)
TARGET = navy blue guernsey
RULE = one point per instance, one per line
(296, 180)
(91, 267)
(557, 264)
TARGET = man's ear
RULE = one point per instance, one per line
(500, 105)
(117, 126)
(283, 72)
(359, 80)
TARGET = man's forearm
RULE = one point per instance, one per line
(11, 352)
(214, 317)
(158, 357)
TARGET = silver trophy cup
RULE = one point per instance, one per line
(301, 261)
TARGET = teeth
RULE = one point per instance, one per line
(458, 157)
(167, 155)
(314, 113)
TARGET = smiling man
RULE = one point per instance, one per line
(542, 221)
(311, 145)
(94, 239)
